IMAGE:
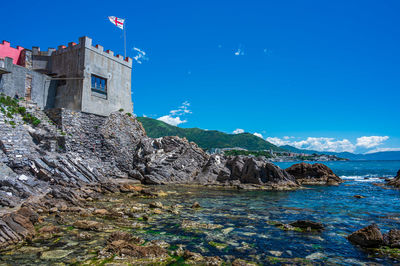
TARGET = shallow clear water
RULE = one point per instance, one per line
(246, 218)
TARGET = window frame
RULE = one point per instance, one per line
(100, 84)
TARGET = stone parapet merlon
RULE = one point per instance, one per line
(36, 51)
(87, 43)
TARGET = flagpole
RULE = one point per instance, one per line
(125, 38)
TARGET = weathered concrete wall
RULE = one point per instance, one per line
(68, 62)
(15, 83)
(116, 70)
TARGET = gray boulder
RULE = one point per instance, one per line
(168, 160)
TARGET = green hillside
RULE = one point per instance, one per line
(206, 139)
(383, 155)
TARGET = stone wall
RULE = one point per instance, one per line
(84, 136)
(19, 78)
(81, 131)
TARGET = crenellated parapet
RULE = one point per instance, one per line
(7, 51)
(86, 42)
(36, 51)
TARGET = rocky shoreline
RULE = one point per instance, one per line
(70, 159)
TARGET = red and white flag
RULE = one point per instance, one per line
(119, 22)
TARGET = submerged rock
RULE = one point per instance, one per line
(88, 225)
(358, 196)
(123, 243)
(55, 254)
(240, 262)
(195, 205)
(308, 225)
(314, 174)
(187, 224)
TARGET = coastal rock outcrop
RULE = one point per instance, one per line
(71, 157)
(313, 174)
(241, 170)
(395, 181)
(369, 236)
(168, 160)
(372, 239)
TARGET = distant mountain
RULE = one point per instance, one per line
(207, 139)
(384, 155)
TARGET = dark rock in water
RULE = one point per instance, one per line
(358, 196)
(392, 239)
(242, 170)
(195, 205)
(155, 205)
(258, 171)
(370, 237)
(395, 181)
(304, 224)
(313, 174)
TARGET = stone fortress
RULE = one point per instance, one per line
(80, 77)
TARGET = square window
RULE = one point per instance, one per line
(99, 84)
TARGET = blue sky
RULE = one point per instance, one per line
(323, 74)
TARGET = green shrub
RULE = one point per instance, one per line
(129, 114)
(121, 110)
(36, 121)
(21, 110)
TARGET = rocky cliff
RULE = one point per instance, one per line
(70, 156)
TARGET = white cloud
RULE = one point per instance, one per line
(287, 137)
(371, 141)
(238, 131)
(319, 144)
(239, 51)
(267, 51)
(140, 55)
(174, 116)
(277, 141)
(172, 120)
(382, 149)
(325, 144)
(334, 145)
(258, 135)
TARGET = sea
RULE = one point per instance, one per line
(247, 221)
